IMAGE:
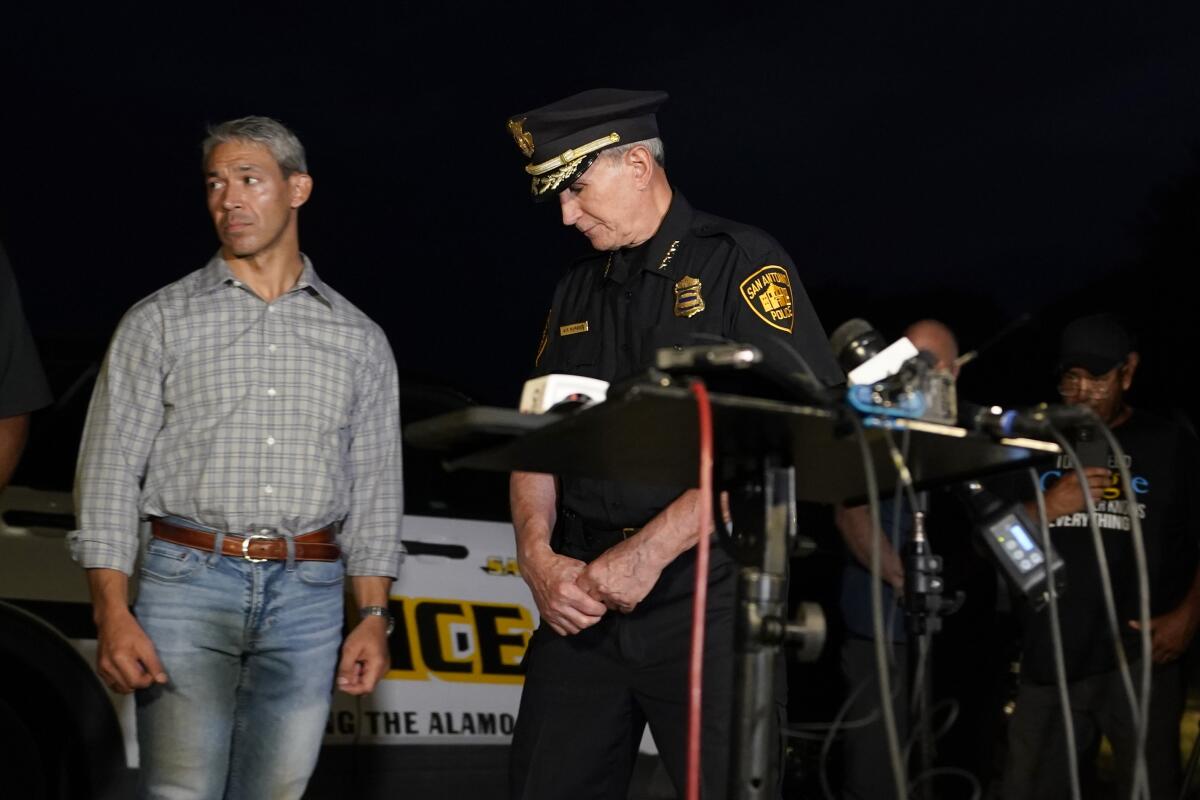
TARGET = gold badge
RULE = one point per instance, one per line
(768, 292)
(688, 302)
(522, 137)
(578, 327)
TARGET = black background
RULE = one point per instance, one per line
(974, 162)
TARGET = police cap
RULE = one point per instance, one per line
(562, 139)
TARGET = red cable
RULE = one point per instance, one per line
(700, 596)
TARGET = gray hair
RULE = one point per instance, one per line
(655, 146)
(285, 148)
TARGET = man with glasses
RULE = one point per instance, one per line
(1096, 366)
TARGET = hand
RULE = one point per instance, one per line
(365, 657)
(621, 577)
(125, 656)
(1170, 634)
(1066, 496)
(565, 607)
(893, 572)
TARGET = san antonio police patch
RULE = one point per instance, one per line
(768, 292)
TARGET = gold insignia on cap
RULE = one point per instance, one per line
(572, 154)
(522, 137)
(688, 302)
(768, 292)
(578, 327)
(548, 183)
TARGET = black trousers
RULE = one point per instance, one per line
(588, 697)
(867, 771)
(1036, 768)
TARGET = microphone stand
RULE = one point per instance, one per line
(924, 608)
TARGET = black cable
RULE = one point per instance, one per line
(1110, 606)
(827, 744)
(976, 789)
(951, 718)
(1060, 661)
(885, 693)
(902, 471)
(1143, 572)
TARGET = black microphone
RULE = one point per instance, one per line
(855, 342)
(1038, 422)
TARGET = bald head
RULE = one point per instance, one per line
(934, 337)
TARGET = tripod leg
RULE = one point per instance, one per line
(761, 619)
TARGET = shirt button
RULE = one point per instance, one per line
(270, 441)
(268, 490)
(271, 309)
(237, 284)
(271, 348)
(628, 295)
(271, 392)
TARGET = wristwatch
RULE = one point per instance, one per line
(379, 611)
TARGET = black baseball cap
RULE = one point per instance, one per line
(562, 139)
(1097, 343)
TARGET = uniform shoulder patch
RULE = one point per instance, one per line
(768, 292)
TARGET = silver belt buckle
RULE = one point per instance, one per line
(264, 533)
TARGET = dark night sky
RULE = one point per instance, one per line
(971, 160)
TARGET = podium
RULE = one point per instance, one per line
(778, 451)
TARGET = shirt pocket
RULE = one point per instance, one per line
(577, 353)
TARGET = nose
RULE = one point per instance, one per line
(231, 197)
(570, 208)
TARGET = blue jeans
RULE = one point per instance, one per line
(250, 651)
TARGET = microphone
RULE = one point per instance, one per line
(1036, 423)
(865, 355)
(854, 342)
(736, 356)
(745, 360)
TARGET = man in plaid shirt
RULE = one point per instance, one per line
(251, 414)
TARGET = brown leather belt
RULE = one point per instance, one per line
(314, 546)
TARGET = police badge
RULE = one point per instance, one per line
(688, 302)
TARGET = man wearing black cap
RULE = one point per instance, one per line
(610, 564)
(1097, 362)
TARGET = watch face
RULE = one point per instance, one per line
(380, 611)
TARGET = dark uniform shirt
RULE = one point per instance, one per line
(698, 274)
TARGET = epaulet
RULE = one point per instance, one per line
(755, 242)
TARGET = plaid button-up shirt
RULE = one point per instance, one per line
(215, 406)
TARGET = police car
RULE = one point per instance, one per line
(463, 618)
(437, 727)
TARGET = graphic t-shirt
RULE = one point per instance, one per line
(1165, 469)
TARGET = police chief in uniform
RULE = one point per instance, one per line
(610, 564)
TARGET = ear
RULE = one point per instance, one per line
(643, 165)
(1131, 364)
(300, 186)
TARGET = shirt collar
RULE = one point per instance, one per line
(657, 254)
(216, 273)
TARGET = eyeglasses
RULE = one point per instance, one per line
(1072, 384)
